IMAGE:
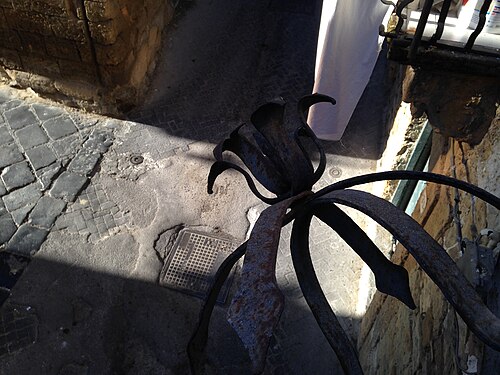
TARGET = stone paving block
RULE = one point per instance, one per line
(17, 175)
(87, 215)
(7, 228)
(44, 112)
(31, 136)
(79, 222)
(46, 175)
(3, 210)
(110, 222)
(121, 221)
(91, 227)
(10, 154)
(22, 197)
(11, 104)
(102, 228)
(3, 190)
(41, 156)
(67, 186)
(20, 117)
(67, 146)
(21, 214)
(107, 205)
(5, 136)
(46, 211)
(99, 140)
(71, 220)
(27, 240)
(84, 162)
(59, 127)
(82, 121)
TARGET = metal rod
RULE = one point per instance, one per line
(480, 25)
(452, 60)
(198, 342)
(399, 12)
(411, 175)
(442, 19)
(316, 300)
(426, 11)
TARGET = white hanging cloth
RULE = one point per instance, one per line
(348, 47)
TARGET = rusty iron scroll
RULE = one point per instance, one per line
(257, 306)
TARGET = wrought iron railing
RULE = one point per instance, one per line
(283, 166)
(417, 49)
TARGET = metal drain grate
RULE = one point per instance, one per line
(193, 262)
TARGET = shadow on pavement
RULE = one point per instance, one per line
(99, 323)
(221, 60)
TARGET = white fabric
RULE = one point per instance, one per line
(348, 47)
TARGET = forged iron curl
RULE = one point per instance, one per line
(259, 157)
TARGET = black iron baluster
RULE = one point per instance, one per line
(426, 11)
(442, 19)
(399, 12)
(480, 25)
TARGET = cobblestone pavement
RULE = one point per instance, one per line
(84, 198)
(47, 157)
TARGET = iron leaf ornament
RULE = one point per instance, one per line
(282, 165)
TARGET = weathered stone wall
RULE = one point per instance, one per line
(458, 105)
(88, 49)
(396, 340)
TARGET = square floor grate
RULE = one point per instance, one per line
(193, 262)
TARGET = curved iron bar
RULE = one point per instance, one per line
(268, 120)
(256, 307)
(220, 166)
(433, 259)
(399, 12)
(199, 339)
(301, 132)
(269, 151)
(198, 342)
(390, 278)
(398, 175)
(260, 166)
(411, 175)
(303, 106)
(321, 309)
(445, 8)
(381, 28)
(419, 32)
(479, 27)
(389, 3)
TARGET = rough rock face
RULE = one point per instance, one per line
(458, 105)
(396, 340)
(86, 49)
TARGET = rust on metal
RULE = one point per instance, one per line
(432, 258)
(275, 159)
(283, 166)
(257, 306)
